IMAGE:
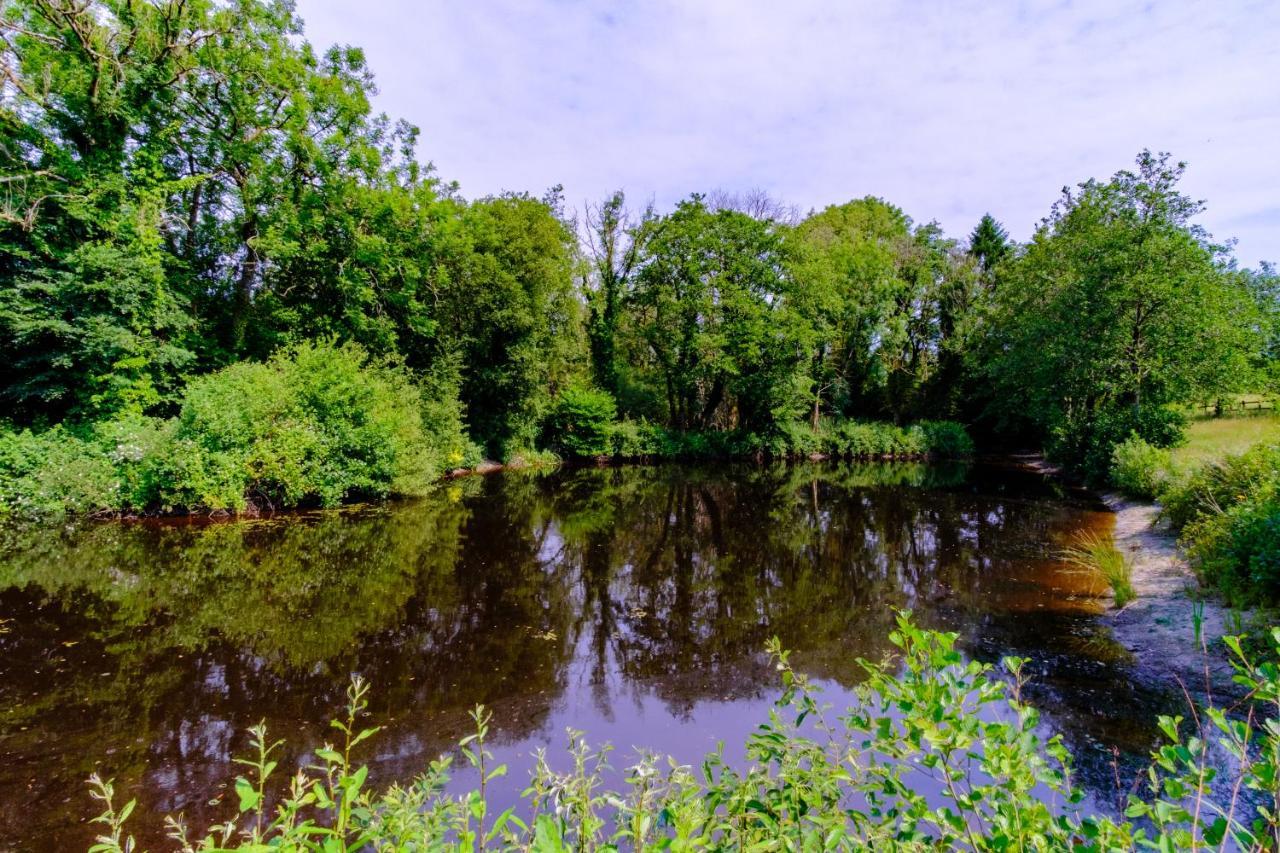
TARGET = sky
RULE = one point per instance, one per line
(947, 109)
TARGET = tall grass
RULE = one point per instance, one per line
(1096, 552)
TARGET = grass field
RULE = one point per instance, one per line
(1214, 438)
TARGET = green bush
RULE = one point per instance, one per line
(316, 424)
(1138, 469)
(634, 439)
(106, 467)
(947, 438)
(1218, 485)
(1086, 447)
(581, 422)
(1229, 515)
(864, 440)
(1238, 549)
(936, 753)
(53, 471)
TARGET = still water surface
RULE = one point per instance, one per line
(631, 603)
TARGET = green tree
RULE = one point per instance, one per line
(614, 251)
(890, 305)
(91, 318)
(712, 305)
(847, 261)
(508, 296)
(1119, 306)
(989, 243)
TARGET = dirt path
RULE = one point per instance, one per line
(1158, 625)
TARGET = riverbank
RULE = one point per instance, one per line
(1159, 626)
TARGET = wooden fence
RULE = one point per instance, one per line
(1235, 407)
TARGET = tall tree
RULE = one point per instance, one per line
(712, 305)
(509, 298)
(614, 248)
(989, 243)
(92, 317)
(1119, 305)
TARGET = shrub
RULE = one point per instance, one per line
(947, 438)
(1229, 516)
(1218, 485)
(1238, 549)
(317, 423)
(936, 754)
(630, 439)
(54, 471)
(1086, 447)
(873, 439)
(103, 468)
(581, 422)
(1138, 469)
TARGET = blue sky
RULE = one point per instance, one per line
(948, 109)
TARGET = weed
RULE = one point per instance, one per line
(1098, 553)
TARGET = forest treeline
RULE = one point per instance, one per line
(224, 275)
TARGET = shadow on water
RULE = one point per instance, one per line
(632, 603)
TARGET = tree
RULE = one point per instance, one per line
(712, 306)
(92, 318)
(508, 298)
(989, 243)
(890, 305)
(614, 250)
(1119, 306)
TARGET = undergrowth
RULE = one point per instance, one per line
(936, 753)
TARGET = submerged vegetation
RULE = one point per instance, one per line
(935, 753)
(205, 224)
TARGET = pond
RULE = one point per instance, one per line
(631, 603)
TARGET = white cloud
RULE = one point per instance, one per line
(948, 109)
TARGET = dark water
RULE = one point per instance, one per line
(630, 603)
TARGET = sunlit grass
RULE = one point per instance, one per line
(1213, 438)
(1095, 552)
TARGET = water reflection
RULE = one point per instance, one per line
(631, 602)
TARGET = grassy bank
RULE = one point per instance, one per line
(936, 753)
(1220, 491)
(1212, 439)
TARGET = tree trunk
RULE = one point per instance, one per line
(243, 296)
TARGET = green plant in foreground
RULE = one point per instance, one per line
(935, 753)
(1096, 552)
(1197, 619)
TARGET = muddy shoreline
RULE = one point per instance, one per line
(1158, 626)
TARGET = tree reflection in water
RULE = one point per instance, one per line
(633, 602)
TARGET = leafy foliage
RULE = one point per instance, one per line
(989, 243)
(1118, 307)
(192, 185)
(582, 422)
(815, 779)
(1138, 469)
(1229, 516)
(316, 424)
